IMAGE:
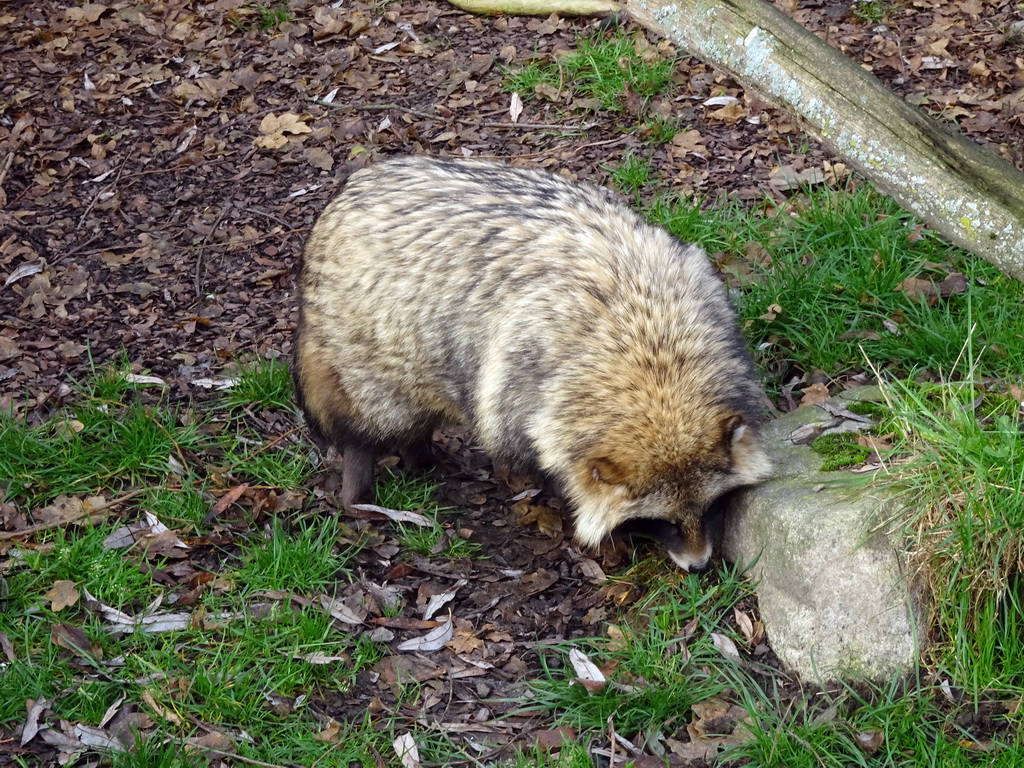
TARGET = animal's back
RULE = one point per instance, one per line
(547, 314)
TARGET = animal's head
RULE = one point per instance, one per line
(668, 490)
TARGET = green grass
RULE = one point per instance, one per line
(839, 450)
(264, 383)
(871, 11)
(409, 493)
(632, 174)
(600, 69)
(267, 17)
(832, 261)
(661, 673)
(109, 439)
(309, 558)
(662, 130)
(271, 17)
(964, 489)
(816, 281)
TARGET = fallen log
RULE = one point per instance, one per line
(539, 7)
(963, 191)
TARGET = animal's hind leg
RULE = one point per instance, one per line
(357, 476)
(418, 455)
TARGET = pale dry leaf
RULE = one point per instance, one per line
(745, 624)
(515, 107)
(725, 645)
(215, 384)
(126, 535)
(398, 515)
(148, 622)
(186, 140)
(320, 658)
(585, 669)
(98, 738)
(434, 640)
(340, 610)
(135, 378)
(70, 747)
(112, 710)
(32, 724)
(24, 270)
(437, 602)
(720, 101)
(407, 751)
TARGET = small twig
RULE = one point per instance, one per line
(108, 188)
(7, 166)
(443, 119)
(97, 511)
(272, 217)
(198, 276)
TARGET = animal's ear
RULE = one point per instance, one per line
(750, 464)
(604, 470)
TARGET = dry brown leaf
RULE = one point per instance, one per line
(815, 394)
(75, 640)
(870, 741)
(746, 625)
(329, 734)
(318, 157)
(554, 738)
(227, 500)
(465, 642)
(725, 645)
(62, 594)
(548, 520)
(539, 580)
(863, 334)
(687, 143)
(161, 712)
(214, 740)
(730, 113)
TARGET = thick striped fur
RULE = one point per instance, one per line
(577, 340)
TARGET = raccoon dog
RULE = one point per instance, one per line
(577, 340)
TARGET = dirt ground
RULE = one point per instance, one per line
(161, 166)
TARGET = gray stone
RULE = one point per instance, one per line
(834, 591)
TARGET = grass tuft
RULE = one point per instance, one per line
(602, 69)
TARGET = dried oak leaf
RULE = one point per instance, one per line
(75, 640)
(275, 127)
(62, 594)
